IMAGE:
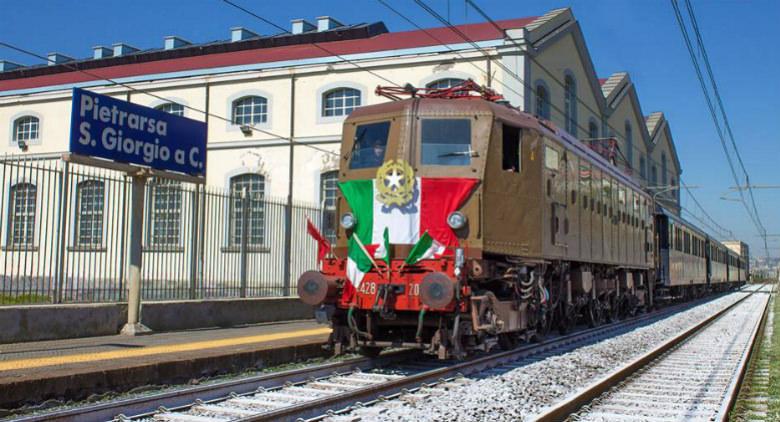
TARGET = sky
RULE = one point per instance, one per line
(637, 36)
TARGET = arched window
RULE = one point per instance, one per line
(542, 102)
(593, 130)
(26, 129)
(173, 108)
(340, 101)
(254, 187)
(570, 104)
(250, 110)
(445, 83)
(629, 145)
(654, 175)
(21, 221)
(165, 214)
(328, 191)
(89, 218)
(642, 165)
(663, 168)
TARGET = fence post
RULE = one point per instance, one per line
(62, 219)
(244, 238)
(194, 241)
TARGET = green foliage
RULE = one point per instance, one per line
(25, 299)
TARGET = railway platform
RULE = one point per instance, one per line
(76, 368)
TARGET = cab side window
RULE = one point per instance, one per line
(512, 149)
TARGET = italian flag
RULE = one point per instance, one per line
(422, 222)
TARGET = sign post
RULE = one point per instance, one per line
(142, 142)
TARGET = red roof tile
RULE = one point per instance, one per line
(387, 41)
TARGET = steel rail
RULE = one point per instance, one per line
(318, 408)
(574, 403)
(184, 398)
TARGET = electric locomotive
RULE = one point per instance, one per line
(466, 223)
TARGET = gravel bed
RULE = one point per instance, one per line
(519, 393)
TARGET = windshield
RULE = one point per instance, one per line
(446, 142)
(370, 145)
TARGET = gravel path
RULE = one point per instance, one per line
(517, 393)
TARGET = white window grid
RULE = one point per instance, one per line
(328, 194)
(570, 104)
(26, 128)
(255, 189)
(250, 110)
(166, 212)
(542, 102)
(340, 102)
(90, 196)
(22, 218)
(445, 83)
(172, 108)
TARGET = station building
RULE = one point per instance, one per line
(259, 92)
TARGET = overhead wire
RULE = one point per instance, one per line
(751, 208)
(315, 44)
(159, 97)
(461, 34)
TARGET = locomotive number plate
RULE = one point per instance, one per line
(367, 288)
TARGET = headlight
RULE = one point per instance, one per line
(348, 220)
(456, 220)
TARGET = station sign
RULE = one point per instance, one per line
(123, 132)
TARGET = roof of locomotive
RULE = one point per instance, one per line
(502, 111)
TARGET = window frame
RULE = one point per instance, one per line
(166, 186)
(169, 104)
(78, 216)
(324, 100)
(326, 177)
(234, 199)
(544, 113)
(13, 140)
(571, 123)
(430, 85)
(29, 218)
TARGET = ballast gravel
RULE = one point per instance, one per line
(520, 393)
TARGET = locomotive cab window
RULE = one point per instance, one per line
(551, 158)
(512, 150)
(446, 142)
(370, 145)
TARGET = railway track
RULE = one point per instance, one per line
(694, 376)
(310, 392)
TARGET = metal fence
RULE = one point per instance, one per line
(64, 237)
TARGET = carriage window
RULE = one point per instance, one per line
(551, 158)
(512, 149)
(446, 142)
(370, 144)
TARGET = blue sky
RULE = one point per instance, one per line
(640, 37)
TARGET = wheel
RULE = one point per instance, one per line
(369, 351)
(612, 308)
(594, 314)
(507, 341)
(567, 318)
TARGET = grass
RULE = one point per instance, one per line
(757, 387)
(25, 299)
(774, 366)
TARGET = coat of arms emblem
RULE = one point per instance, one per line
(395, 183)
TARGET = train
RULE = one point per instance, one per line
(467, 224)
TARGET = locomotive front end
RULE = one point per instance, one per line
(409, 172)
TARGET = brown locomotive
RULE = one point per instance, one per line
(467, 223)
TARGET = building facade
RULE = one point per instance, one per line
(275, 105)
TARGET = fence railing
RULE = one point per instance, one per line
(64, 237)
